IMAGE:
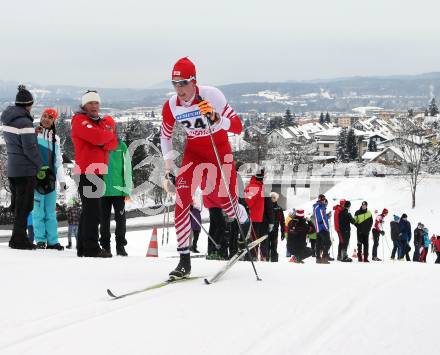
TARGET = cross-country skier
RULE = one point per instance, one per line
(191, 107)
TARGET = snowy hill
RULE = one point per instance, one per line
(55, 303)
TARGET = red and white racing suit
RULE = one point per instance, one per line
(199, 165)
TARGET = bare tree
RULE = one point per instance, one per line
(413, 147)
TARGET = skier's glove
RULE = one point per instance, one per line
(270, 228)
(207, 110)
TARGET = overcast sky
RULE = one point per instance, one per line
(133, 43)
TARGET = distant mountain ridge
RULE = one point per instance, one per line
(339, 94)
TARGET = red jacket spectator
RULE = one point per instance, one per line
(92, 141)
(337, 209)
(254, 195)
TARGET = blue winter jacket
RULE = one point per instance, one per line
(21, 142)
(426, 240)
(321, 218)
(405, 230)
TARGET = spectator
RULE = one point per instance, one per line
(405, 237)
(312, 235)
(217, 227)
(395, 236)
(418, 241)
(363, 221)
(45, 196)
(261, 211)
(378, 231)
(118, 186)
(338, 209)
(345, 221)
(278, 224)
(23, 164)
(285, 235)
(298, 228)
(436, 247)
(73, 215)
(93, 137)
(322, 228)
(426, 243)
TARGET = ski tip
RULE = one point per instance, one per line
(111, 294)
(206, 281)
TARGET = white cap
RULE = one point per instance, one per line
(90, 96)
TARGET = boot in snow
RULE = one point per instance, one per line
(56, 246)
(41, 245)
(183, 269)
(377, 259)
(69, 246)
(120, 250)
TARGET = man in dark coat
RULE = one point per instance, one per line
(395, 238)
(345, 221)
(405, 237)
(418, 241)
(278, 221)
(24, 162)
(363, 221)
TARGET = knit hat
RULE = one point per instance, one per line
(184, 68)
(90, 96)
(347, 204)
(384, 211)
(404, 216)
(321, 197)
(51, 112)
(24, 97)
(300, 213)
(396, 218)
(260, 175)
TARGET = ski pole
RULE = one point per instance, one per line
(217, 246)
(226, 186)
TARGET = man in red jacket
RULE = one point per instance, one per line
(261, 211)
(93, 137)
(337, 210)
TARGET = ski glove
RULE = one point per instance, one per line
(207, 110)
(270, 228)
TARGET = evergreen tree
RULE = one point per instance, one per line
(433, 109)
(372, 146)
(327, 118)
(351, 145)
(153, 115)
(426, 112)
(341, 152)
(288, 119)
(321, 118)
(411, 113)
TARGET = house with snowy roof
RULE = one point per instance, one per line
(327, 141)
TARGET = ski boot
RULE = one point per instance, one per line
(41, 245)
(120, 250)
(56, 246)
(194, 249)
(183, 269)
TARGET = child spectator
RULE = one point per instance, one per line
(73, 213)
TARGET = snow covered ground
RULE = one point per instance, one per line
(55, 303)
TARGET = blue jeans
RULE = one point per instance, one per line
(72, 232)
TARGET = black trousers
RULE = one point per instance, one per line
(376, 235)
(88, 229)
(217, 227)
(118, 204)
(344, 241)
(362, 241)
(313, 246)
(437, 261)
(22, 203)
(322, 244)
(272, 244)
